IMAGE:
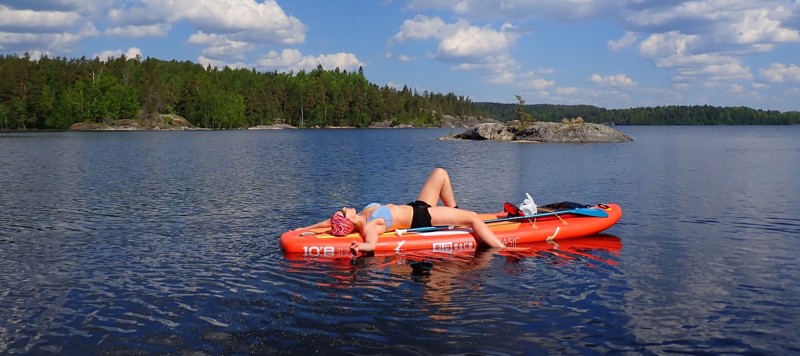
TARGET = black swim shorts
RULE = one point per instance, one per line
(421, 216)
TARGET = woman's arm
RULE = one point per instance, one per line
(370, 232)
(323, 223)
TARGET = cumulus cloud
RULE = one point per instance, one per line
(238, 26)
(291, 60)
(46, 42)
(220, 46)
(706, 40)
(229, 29)
(764, 25)
(420, 28)
(241, 20)
(36, 21)
(471, 41)
(139, 31)
(702, 41)
(472, 48)
(626, 41)
(779, 72)
(215, 63)
(686, 55)
(613, 81)
(130, 54)
(458, 39)
(85, 7)
(562, 10)
(532, 81)
(35, 27)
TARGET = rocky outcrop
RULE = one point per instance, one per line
(487, 131)
(272, 127)
(543, 132)
(449, 121)
(161, 122)
(386, 124)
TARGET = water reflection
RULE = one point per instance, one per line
(387, 301)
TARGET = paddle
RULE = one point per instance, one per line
(593, 212)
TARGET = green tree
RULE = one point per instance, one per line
(523, 116)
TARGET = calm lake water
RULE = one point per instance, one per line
(167, 242)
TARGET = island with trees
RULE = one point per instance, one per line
(81, 93)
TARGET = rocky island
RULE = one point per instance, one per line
(567, 131)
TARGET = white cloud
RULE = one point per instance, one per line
(705, 40)
(613, 81)
(762, 26)
(130, 54)
(86, 7)
(538, 84)
(400, 57)
(292, 60)
(685, 54)
(471, 41)
(36, 21)
(420, 28)
(215, 63)
(779, 72)
(698, 40)
(559, 10)
(50, 42)
(460, 39)
(660, 47)
(715, 72)
(41, 28)
(567, 90)
(220, 46)
(473, 48)
(242, 20)
(626, 41)
(532, 81)
(229, 28)
(134, 31)
(405, 58)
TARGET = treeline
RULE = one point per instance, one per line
(54, 93)
(662, 115)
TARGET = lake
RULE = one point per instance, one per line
(167, 242)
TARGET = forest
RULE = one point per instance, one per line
(661, 115)
(55, 93)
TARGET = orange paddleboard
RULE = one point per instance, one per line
(318, 242)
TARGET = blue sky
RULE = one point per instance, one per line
(613, 54)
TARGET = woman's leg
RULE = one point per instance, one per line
(448, 216)
(438, 187)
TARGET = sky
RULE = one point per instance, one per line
(612, 54)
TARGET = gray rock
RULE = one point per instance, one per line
(488, 131)
(544, 132)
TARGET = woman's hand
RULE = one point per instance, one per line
(355, 247)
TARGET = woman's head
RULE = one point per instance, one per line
(341, 225)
